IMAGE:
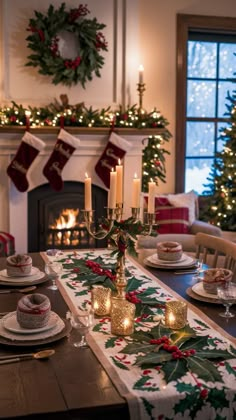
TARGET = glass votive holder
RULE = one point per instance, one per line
(122, 317)
(176, 314)
(101, 300)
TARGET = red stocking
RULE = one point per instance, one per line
(25, 155)
(115, 150)
(63, 149)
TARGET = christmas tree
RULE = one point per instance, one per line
(221, 210)
(153, 165)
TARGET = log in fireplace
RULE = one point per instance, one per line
(55, 219)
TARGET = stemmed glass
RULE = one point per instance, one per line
(53, 269)
(199, 270)
(81, 322)
(227, 296)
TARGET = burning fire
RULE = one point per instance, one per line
(67, 220)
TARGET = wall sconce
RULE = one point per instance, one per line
(101, 300)
(176, 314)
(122, 317)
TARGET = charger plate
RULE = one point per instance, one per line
(40, 342)
(195, 296)
(155, 262)
(37, 278)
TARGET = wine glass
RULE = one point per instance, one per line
(227, 296)
(199, 270)
(53, 269)
(81, 322)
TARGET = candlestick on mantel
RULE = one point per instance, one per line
(151, 197)
(141, 70)
(119, 183)
(87, 193)
(112, 192)
(136, 190)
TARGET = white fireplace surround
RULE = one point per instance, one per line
(14, 204)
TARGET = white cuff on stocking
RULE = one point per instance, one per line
(68, 138)
(33, 141)
(120, 142)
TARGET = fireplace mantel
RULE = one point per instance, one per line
(14, 204)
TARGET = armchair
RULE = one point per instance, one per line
(177, 220)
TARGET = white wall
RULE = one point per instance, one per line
(146, 33)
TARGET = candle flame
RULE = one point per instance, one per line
(135, 175)
(119, 161)
(86, 175)
(141, 68)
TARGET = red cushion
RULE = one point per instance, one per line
(172, 220)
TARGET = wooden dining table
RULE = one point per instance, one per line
(72, 384)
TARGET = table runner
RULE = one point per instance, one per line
(148, 395)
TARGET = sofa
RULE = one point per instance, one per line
(177, 220)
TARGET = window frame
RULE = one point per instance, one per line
(185, 23)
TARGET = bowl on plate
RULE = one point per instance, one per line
(216, 277)
(169, 251)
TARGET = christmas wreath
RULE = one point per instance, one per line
(45, 38)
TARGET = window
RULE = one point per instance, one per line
(205, 67)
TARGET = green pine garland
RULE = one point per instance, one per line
(44, 43)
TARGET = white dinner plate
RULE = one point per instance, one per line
(34, 270)
(154, 258)
(18, 280)
(152, 261)
(199, 289)
(11, 324)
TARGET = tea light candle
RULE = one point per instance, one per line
(112, 192)
(122, 317)
(176, 314)
(136, 192)
(101, 300)
(87, 193)
(119, 184)
(151, 197)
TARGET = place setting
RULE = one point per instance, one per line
(170, 256)
(32, 323)
(215, 286)
(19, 271)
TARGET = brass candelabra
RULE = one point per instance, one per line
(120, 236)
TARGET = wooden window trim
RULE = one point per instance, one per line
(184, 24)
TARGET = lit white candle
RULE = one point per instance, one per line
(119, 184)
(136, 190)
(87, 193)
(151, 197)
(140, 72)
(112, 192)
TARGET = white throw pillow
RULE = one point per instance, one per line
(185, 200)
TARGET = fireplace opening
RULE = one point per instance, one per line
(55, 219)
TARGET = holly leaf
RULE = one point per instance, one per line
(110, 343)
(182, 335)
(174, 369)
(153, 359)
(214, 354)
(196, 343)
(204, 369)
(133, 284)
(119, 364)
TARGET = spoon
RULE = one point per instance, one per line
(24, 290)
(43, 354)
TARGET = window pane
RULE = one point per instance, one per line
(227, 61)
(201, 59)
(224, 88)
(201, 99)
(197, 171)
(220, 143)
(200, 139)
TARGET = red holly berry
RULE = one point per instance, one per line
(204, 393)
